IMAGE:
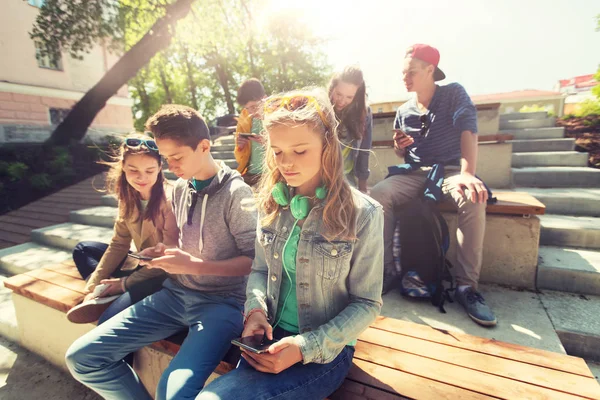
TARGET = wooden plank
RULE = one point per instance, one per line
(42, 216)
(30, 222)
(12, 237)
(394, 381)
(65, 269)
(15, 228)
(515, 370)
(43, 292)
(54, 205)
(58, 279)
(465, 378)
(46, 210)
(529, 355)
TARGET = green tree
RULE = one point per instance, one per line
(218, 46)
(74, 26)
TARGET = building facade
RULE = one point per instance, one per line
(36, 93)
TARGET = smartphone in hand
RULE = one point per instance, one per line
(399, 134)
(257, 344)
(246, 135)
(139, 257)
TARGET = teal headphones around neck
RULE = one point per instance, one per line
(299, 205)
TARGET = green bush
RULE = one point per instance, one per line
(589, 107)
(62, 159)
(17, 171)
(40, 181)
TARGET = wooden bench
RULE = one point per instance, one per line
(393, 360)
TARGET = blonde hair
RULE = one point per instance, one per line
(339, 213)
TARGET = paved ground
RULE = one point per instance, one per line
(25, 376)
(16, 226)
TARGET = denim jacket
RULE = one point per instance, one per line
(338, 283)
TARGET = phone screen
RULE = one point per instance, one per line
(256, 344)
(143, 258)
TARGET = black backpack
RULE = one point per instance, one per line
(424, 242)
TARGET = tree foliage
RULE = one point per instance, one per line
(217, 45)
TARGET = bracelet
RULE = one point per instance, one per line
(123, 287)
(252, 312)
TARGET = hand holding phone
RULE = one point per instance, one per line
(402, 140)
(139, 257)
(257, 344)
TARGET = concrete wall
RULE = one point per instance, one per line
(385, 107)
(510, 249)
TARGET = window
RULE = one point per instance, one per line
(57, 115)
(47, 61)
(36, 3)
(380, 110)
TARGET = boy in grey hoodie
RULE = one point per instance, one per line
(205, 291)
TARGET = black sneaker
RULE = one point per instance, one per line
(390, 282)
(475, 306)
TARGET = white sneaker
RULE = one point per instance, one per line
(91, 310)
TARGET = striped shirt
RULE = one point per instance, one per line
(437, 138)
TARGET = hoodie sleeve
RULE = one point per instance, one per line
(242, 218)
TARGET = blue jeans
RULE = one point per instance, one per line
(96, 359)
(88, 254)
(300, 381)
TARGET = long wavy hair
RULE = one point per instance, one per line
(352, 117)
(130, 200)
(339, 213)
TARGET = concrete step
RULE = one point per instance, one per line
(527, 123)
(556, 177)
(537, 133)
(550, 158)
(569, 270)
(577, 201)
(523, 146)
(66, 236)
(227, 139)
(96, 216)
(575, 320)
(223, 155)
(570, 231)
(223, 147)
(29, 256)
(524, 115)
(109, 200)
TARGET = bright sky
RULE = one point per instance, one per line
(488, 46)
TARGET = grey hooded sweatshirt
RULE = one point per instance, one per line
(217, 223)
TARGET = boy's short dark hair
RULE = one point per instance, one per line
(180, 123)
(250, 90)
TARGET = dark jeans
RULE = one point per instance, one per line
(87, 255)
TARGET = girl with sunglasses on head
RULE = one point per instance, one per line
(347, 92)
(145, 217)
(316, 278)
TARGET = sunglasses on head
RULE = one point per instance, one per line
(134, 143)
(425, 123)
(293, 103)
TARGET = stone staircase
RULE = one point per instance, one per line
(545, 165)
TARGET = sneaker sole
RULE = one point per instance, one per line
(86, 313)
(482, 322)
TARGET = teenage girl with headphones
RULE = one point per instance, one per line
(317, 275)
